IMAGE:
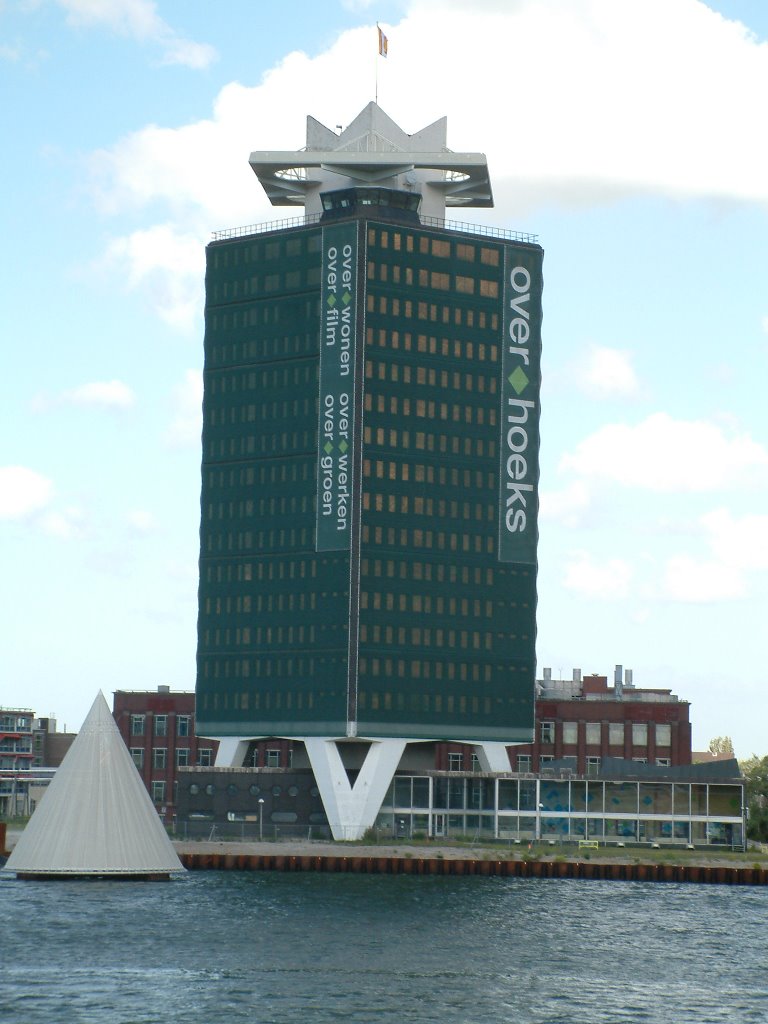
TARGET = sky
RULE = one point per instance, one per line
(629, 135)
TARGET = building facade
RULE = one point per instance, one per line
(16, 759)
(581, 722)
(370, 466)
(158, 727)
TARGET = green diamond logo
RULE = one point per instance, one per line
(518, 380)
(328, 448)
(346, 298)
(331, 300)
(343, 447)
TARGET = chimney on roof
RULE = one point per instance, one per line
(547, 675)
(618, 682)
(628, 679)
(163, 688)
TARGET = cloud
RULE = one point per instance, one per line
(138, 20)
(65, 524)
(23, 492)
(740, 542)
(567, 506)
(106, 394)
(607, 373)
(169, 265)
(596, 126)
(608, 581)
(667, 455)
(141, 522)
(695, 582)
(187, 423)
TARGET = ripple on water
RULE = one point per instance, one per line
(320, 948)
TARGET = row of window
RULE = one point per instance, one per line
(416, 668)
(422, 408)
(183, 757)
(261, 349)
(265, 247)
(282, 701)
(440, 247)
(231, 415)
(430, 311)
(275, 315)
(265, 380)
(440, 540)
(420, 440)
(417, 636)
(429, 376)
(255, 286)
(268, 472)
(616, 733)
(455, 315)
(404, 504)
(160, 725)
(425, 703)
(427, 603)
(229, 542)
(282, 506)
(266, 443)
(454, 476)
(278, 636)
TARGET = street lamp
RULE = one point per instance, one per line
(261, 818)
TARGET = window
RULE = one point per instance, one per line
(455, 762)
(137, 753)
(475, 763)
(273, 759)
(137, 725)
(158, 792)
(547, 732)
(663, 762)
(546, 759)
(593, 765)
(205, 757)
(593, 733)
(570, 732)
(161, 725)
(159, 755)
(663, 736)
(616, 734)
(182, 757)
(182, 725)
(524, 762)
(639, 734)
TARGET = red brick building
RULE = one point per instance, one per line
(581, 721)
(159, 730)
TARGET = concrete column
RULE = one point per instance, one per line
(353, 809)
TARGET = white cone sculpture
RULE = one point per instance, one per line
(96, 817)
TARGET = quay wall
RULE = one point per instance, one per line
(456, 866)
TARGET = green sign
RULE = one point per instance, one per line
(519, 415)
(337, 376)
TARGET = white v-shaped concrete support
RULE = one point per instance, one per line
(231, 752)
(352, 809)
(493, 757)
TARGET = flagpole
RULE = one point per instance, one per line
(376, 89)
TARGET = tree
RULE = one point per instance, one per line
(755, 772)
(721, 745)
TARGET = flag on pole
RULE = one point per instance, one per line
(383, 43)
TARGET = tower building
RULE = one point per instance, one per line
(370, 466)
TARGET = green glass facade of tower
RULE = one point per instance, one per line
(369, 483)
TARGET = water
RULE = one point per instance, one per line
(278, 948)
